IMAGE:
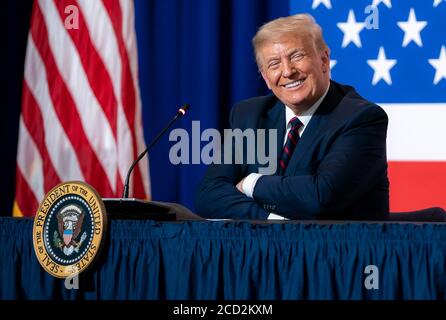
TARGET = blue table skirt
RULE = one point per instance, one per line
(238, 260)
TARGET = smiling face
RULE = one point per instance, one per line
(296, 72)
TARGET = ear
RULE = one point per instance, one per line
(266, 79)
(325, 59)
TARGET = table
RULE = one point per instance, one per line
(240, 260)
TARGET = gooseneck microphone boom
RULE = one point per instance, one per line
(181, 112)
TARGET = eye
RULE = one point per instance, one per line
(297, 57)
(273, 65)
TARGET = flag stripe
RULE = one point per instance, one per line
(32, 119)
(128, 10)
(128, 91)
(58, 145)
(66, 109)
(81, 108)
(98, 77)
(417, 185)
(416, 132)
(98, 22)
(25, 198)
(76, 82)
(400, 66)
(32, 171)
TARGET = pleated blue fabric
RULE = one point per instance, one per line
(239, 261)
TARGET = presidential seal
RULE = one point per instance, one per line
(69, 229)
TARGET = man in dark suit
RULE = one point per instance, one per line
(331, 157)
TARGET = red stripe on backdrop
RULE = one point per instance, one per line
(26, 200)
(67, 112)
(32, 118)
(128, 90)
(97, 75)
(417, 185)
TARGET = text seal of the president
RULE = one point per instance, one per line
(69, 229)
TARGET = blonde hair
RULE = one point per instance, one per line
(300, 25)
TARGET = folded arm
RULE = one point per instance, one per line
(218, 197)
(352, 166)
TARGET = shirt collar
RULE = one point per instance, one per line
(305, 116)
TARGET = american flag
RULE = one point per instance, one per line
(81, 106)
(394, 53)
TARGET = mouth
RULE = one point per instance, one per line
(294, 84)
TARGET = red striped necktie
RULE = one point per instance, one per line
(291, 143)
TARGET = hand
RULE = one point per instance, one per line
(239, 185)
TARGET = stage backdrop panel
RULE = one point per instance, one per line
(394, 54)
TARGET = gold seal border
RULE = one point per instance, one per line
(94, 201)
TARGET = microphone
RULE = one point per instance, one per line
(181, 112)
(125, 208)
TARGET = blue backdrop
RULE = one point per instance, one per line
(196, 52)
(190, 51)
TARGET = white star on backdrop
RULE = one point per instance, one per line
(437, 2)
(351, 30)
(316, 3)
(412, 29)
(386, 2)
(381, 67)
(333, 63)
(439, 65)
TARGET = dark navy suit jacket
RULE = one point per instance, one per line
(337, 171)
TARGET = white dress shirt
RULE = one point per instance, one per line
(250, 181)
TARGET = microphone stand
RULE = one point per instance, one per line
(131, 208)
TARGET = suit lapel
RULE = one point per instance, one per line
(276, 120)
(315, 126)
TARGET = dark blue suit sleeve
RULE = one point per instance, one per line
(353, 165)
(217, 196)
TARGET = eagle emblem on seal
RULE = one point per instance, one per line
(69, 221)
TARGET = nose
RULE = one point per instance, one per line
(288, 69)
